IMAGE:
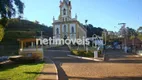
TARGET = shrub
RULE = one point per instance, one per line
(82, 53)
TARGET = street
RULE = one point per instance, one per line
(77, 69)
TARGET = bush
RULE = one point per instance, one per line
(82, 53)
(90, 54)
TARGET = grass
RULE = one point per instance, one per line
(20, 71)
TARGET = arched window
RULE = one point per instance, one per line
(65, 28)
(57, 30)
(64, 11)
(72, 29)
(66, 19)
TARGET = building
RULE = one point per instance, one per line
(66, 26)
(133, 42)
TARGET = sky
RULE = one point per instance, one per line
(100, 13)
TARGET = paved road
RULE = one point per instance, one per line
(77, 69)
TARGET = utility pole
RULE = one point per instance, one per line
(105, 35)
(125, 33)
(86, 35)
(42, 42)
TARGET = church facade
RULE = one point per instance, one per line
(66, 26)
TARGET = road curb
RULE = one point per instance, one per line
(48, 68)
(57, 78)
(86, 58)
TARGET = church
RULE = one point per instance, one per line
(66, 26)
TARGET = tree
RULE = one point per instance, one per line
(131, 32)
(93, 30)
(25, 29)
(139, 29)
(8, 10)
(139, 32)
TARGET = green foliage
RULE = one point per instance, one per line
(25, 29)
(17, 29)
(93, 30)
(132, 37)
(1, 32)
(99, 52)
(139, 29)
(131, 32)
(83, 53)
(8, 10)
(139, 36)
(139, 33)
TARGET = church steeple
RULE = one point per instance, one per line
(65, 10)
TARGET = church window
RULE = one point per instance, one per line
(64, 11)
(72, 29)
(65, 28)
(57, 30)
(66, 19)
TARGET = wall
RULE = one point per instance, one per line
(55, 32)
(73, 35)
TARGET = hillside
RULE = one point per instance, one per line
(17, 29)
(25, 29)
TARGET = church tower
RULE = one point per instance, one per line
(65, 10)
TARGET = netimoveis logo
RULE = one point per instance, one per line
(55, 41)
(80, 41)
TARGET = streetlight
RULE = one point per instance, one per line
(105, 36)
(42, 42)
(85, 46)
(123, 27)
(106, 58)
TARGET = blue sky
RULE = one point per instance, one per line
(99, 13)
